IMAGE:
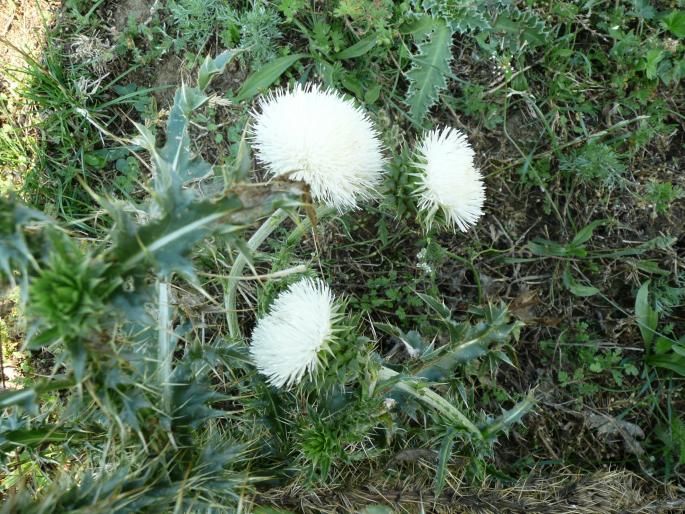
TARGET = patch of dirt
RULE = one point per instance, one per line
(139, 10)
(22, 29)
(23, 25)
(11, 334)
(168, 72)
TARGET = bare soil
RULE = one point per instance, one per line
(22, 28)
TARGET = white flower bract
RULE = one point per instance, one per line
(448, 179)
(288, 341)
(317, 136)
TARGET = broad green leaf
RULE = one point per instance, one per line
(577, 288)
(267, 75)
(678, 349)
(657, 243)
(662, 345)
(652, 60)
(584, 234)
(546, 248)
(675, 22)
(675, 363)
(429, 71)
(32, 437)
(358, 49)
(650, 266)
(647, 318)
(372, 94)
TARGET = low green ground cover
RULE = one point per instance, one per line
(134, 394)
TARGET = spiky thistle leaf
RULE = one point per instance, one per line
(429, 71)
(509, 417)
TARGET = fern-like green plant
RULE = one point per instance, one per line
(195, 20)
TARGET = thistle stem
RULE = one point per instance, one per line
(433, 400)
(165, 349)
(262, 233)
(230, 303)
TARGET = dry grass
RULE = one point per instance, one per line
(559, 491)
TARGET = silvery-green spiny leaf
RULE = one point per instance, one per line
(469, 342)
(509, 417)
(175, 164)
(180, 219)
(166, 242)
(191, 400)
(461, 15)
(519, 27)
(413, 343)
(429, 71)
(212, 67)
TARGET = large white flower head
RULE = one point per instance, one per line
(448, 179)
(288, 342)
(317, 136)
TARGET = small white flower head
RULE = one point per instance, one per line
(288, 342)
(448, 179)
(317, 136)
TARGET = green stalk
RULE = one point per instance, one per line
(165, 350)
(267, 228)
(433, 400)
(235, 275)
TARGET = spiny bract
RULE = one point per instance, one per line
(317, 136)
(448, 179)
(287, 342)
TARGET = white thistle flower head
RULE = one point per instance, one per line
(448, 179)
(288, 342)
(317, 136)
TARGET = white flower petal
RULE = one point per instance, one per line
(448, 178)
(317, 136)
(287, 341)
